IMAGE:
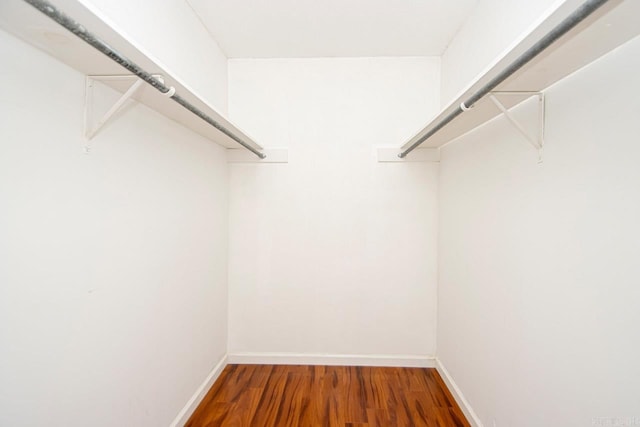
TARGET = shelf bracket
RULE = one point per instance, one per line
(536, 140)
(90, 130)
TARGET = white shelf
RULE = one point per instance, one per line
(609, 27)
(27, 23)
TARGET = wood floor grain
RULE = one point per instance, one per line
(344, 396)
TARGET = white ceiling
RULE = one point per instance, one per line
(321, 28)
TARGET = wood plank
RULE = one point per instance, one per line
(332, 396)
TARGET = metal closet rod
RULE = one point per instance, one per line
(579, 15)
(61, 18)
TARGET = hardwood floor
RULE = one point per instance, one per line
(279, 395)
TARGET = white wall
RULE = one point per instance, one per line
(113, 265)
(172, 33)
(538, 270)
(333, 252)
(489, 30)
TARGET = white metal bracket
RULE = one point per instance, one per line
(90, 130)
(537, 140)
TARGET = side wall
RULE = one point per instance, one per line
(113, 265)
(333, 253)
(538, 270)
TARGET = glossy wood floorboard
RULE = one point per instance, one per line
(281, 395)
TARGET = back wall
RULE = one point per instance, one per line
(333, 252)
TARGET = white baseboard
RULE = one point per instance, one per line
(409, 361)
(186, 412)
(332, 359)
(457, 394)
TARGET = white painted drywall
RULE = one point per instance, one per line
(113, 265)
(172, 34)
(333, 253)
(538, 270)
(488, 31)
(332, 28)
